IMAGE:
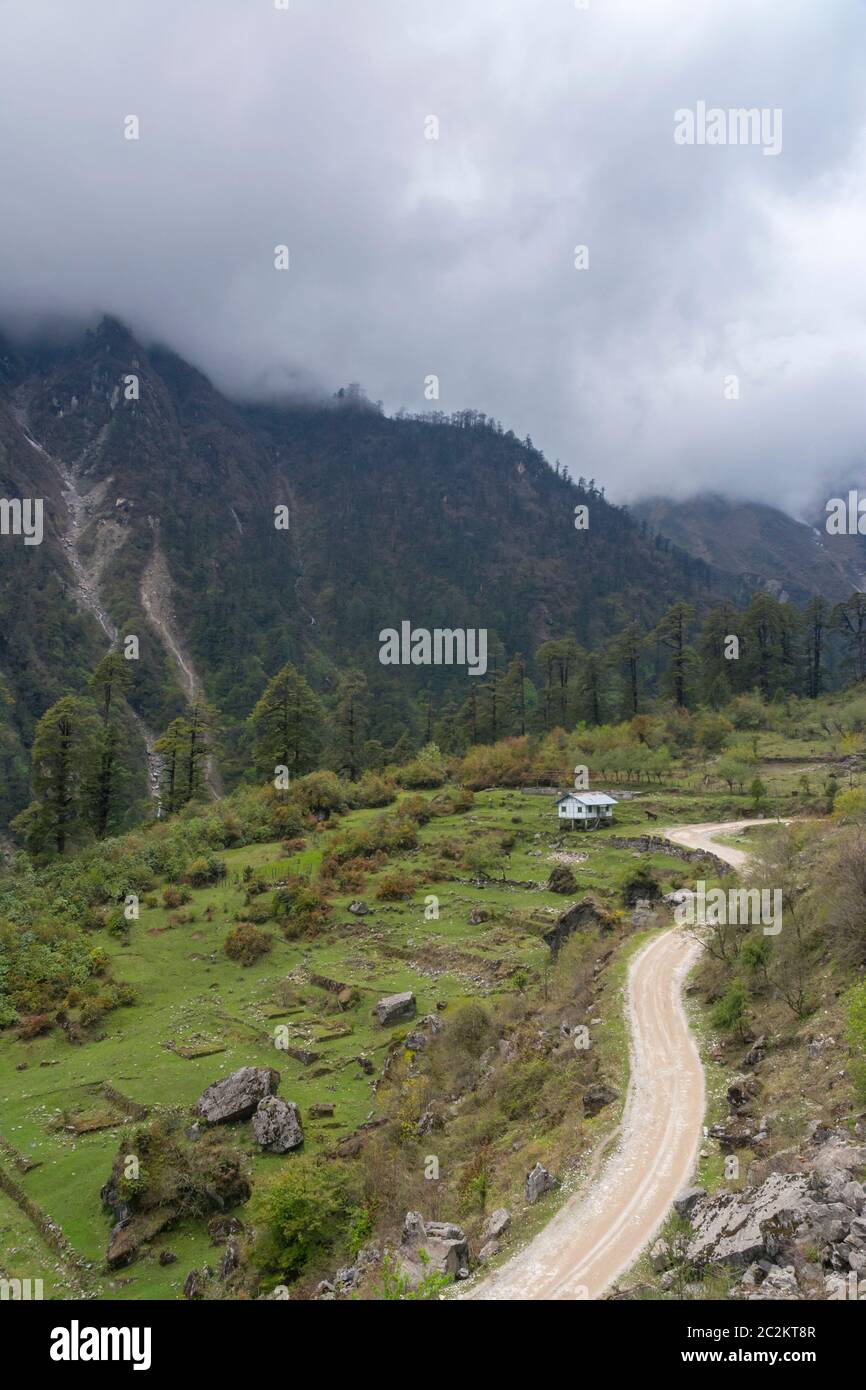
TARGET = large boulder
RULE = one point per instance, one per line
(496, 1224)
(686, 1200)
(396, 1008)
(583, 916)
(597, 1096)
(836, 1156)
(444, 1246)
(236, 1097)
(537, 1182)
(426, 1028)
(128, 1235)
(737, 1228)
(780, 1285)
(277, 1125)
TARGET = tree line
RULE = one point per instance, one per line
(87, 776)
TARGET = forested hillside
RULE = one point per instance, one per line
(228, 541)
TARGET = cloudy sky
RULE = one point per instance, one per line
(455, 256)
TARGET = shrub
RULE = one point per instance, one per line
(396, 1287)
(394, 887)
(640, 883)
(386, 835)
(181, 919)
(747, 712)
(855, 1033)
(729, 1012)
(300, 907)
(32, 1025)
(205, 870)
(481, 857)
(286, 820)
(191, 1179)
(850, 805)
(320, 794)
(519, 1089)
(245, 944)
(426, 770)
(254, 912)
(561, 880)
(298, 1215)
(175, 897)
(375, 790)
(713, 732)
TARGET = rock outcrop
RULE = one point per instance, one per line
(734, 1227)
(396, 1008)
(277, 1125)
(236, 1097)
(444, 1246)
(583, 915)
(796, 1235)
(597, 1096)
(538, 1182)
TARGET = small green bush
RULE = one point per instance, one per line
(245, 944)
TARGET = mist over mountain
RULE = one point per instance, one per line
(161, 499)
(763, 545)
(431, 187)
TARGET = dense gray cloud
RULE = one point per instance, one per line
(455, 257)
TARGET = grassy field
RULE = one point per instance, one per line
(198, 1016)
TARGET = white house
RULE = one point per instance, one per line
(587, 810)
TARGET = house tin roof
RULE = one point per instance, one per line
(589, 798)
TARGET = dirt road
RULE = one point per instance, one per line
(702, 837)
(597, 1235)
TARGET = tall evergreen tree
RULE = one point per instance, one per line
(673, 632)
(286, 725)
(170, 748)
(849, 619)
(816, 618)
(625, 652)
(65, 759)
(349, 724)
(111, 679)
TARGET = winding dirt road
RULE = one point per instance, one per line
(598, 1234)
(702, 837)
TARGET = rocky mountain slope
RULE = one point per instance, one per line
(761, 545)
(161, 501)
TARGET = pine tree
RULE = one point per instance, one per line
(286, 725)
(849, 618)
(350, 720)
(625, 652)
(513, 696)
(112, 678)
(201, 721)
(672, 632)
(65, 759)
(816, 617)
(170, 748)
